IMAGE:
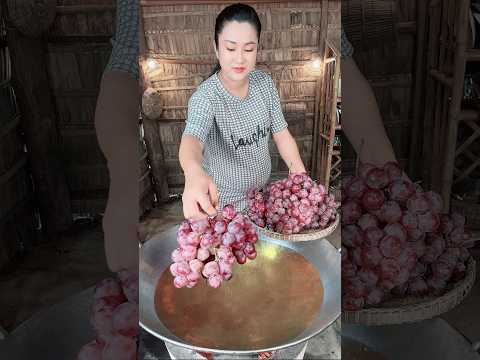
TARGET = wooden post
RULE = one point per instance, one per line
(419, 89)
(316, 162)
(441, 89)
(431, 85)
(31, 84)
(455, 105)
(156, 157)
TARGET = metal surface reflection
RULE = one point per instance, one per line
(268, 302)
(289, 294)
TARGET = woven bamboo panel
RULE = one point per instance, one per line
(83, 18)
(450, 125)
(14, 184)
(78, 51)
(89, 181)
(389, 65)
(183, 34)
(17, 218)
(324, 134)
(369, 21)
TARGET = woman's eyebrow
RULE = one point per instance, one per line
(248, 43)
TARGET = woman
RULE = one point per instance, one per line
(231, 116)
(224, 149)
(116, 125)
(361, 119)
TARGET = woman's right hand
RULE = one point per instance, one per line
(200, 196)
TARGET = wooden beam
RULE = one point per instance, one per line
(83, 38)
(179, 60)
(79, 9)
(473, 55)
(38, 121)
(437, 75)
(469, 115)
(146, 3)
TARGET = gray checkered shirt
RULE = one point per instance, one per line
(347, 48)
(124, 56)
(236, 133)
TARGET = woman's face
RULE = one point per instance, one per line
(237, 50)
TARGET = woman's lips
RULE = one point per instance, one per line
(239, 69)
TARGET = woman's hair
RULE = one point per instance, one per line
(239, 13)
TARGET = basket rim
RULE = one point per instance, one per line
(421, 310)
(310, 235)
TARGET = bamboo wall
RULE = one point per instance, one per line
(180, 38)
(17, 217)
(389, 65)
(78, 46)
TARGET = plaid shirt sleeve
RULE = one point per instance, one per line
(124, 55)
(200, 117)
(347, 48)
(278, 120)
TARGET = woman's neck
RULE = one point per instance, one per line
(237, 88)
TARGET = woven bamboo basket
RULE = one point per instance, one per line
(307, 235)
(412, 309)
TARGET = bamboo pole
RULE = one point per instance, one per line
(448, 67)
(419, 90)
(455, 105)
(429, 93)
(315, 162)
(332, 108)
(438, 97)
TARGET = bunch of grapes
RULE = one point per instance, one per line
(395, 241)
(209, 248)
(114, 317)
(292, 205)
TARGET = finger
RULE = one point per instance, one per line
(212, 190)
(191, 210)
(206, 205)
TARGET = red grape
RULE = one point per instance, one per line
(367, 220)
(396, 230)
(391, 246)
(377, 178)
(352, 236)
(390, 212)
(372, 199)
(371, 256)
(400, 190)
(372, 236)
(418, 203)
(375, 296)
(355, 188)
(393, 170)
(417, 287)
